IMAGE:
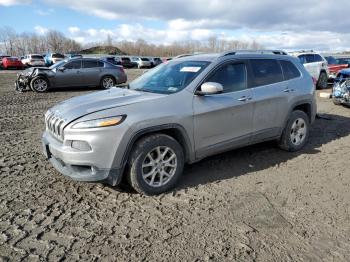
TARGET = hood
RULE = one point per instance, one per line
(79, 106)
(30, 70)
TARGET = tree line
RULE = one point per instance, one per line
(15, 44)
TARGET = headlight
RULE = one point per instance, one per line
(101, 122)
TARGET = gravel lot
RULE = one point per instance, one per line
(252, 204)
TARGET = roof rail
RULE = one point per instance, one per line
(237, 52)
(303, 51)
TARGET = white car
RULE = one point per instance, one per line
(142, 62)
(33, 60)
(316, 65)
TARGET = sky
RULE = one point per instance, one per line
(277, 24)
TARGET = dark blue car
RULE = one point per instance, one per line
(341, 88)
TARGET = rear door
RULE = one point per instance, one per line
(70, 76)
(224, 121)
(270, 93)
(92, 71)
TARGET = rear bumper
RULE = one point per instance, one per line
(79, 166)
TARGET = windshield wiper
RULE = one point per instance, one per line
(145, 90)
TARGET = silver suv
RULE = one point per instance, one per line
(181, 112)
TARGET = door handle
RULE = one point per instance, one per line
(288, 90)
(244, 99)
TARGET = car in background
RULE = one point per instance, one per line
(142, 62)
(12, 62)
(341, 88)
(334, 66)
(127, 62)
(111, 59)
(72, 73)
(69, 56)
(53, 58)
(316, 65)
(155, 61)
(1, 58)
(33, 60)
(343, 60)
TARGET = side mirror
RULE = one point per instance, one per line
(210, 88)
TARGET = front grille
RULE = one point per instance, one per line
(55, 125)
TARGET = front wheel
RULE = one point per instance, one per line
(39, 84)
(156, 163)
(107, 82)
(322, 82)
(296, 132)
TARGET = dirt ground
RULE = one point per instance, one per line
(251, 204)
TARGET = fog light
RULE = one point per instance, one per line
(80, 145)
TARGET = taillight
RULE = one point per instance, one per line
(121, 68)
(314, 80)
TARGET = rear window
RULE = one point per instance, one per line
(144, 59)
(126, 59)
(57, 56)
(13, 59)
(37, 57)
(289, 70)
(266, 72)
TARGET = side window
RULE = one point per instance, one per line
(302, 59)
(231, 76)
(89, 63)
(310, 58)
(266, 72)
(76, 64)
(101, 64)
(318, 58)
(289, 70)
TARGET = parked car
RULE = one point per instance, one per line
(12, 62)
(111, 59)
(33, 60)
(142, 62)
(341, 88)
(1, 58)
(316, 65)
(155, 61)
(227, 100)
(343, 60)
(334, 66)
(127, 63)
(53, 58)
(69, 56)
(71, 73)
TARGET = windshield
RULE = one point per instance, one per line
(169, 78)
(58, 64)
(331, 60)
(37, 57)
(57, 56)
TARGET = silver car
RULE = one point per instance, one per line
(72, 73)
(181, 112)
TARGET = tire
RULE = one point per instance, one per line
(336, 102)
(296, 132)
(322, 82)
(39, 84)
(107, 82)
(147, 157)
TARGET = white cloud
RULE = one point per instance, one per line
(44, 12)
(14, 2)
(41, 30)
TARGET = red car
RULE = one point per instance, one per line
(12, 62)
(334, 66)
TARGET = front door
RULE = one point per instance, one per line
(70, 76)
(224, 121)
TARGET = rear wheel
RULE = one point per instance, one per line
(107, 82)
(296, 132)
(156, 163)
(322, 82)
(39, 84)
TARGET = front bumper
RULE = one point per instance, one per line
(78, 165)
